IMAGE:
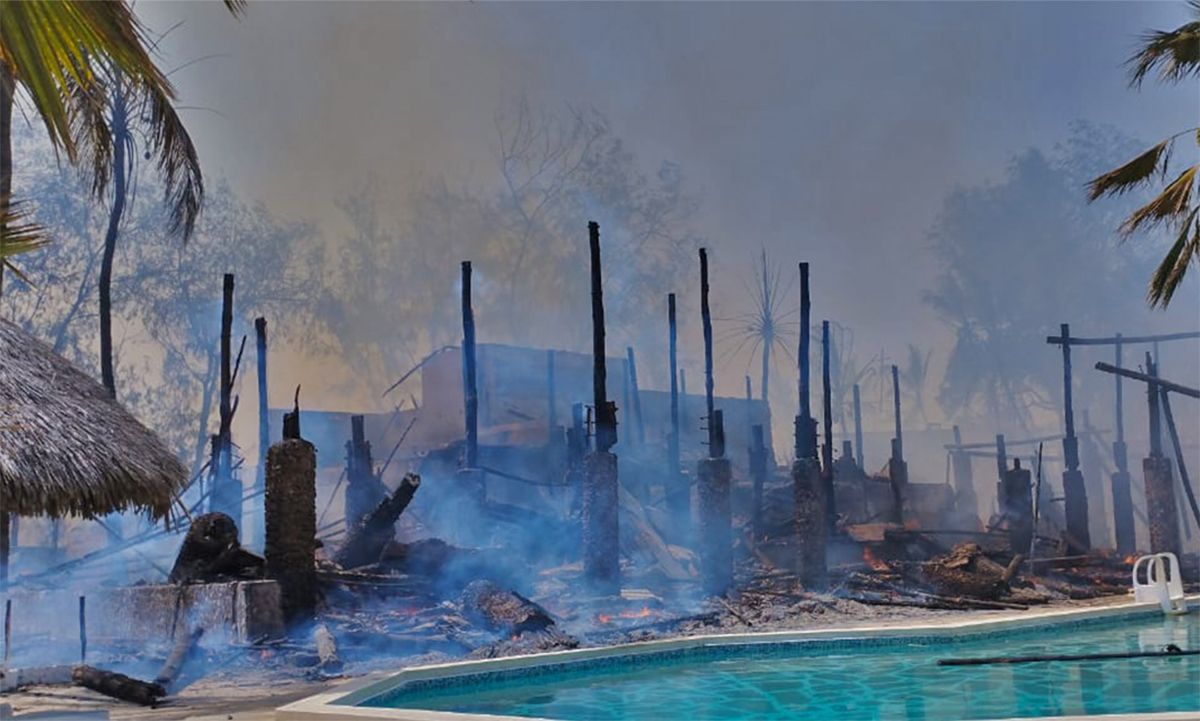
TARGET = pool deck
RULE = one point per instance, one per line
(334, 703)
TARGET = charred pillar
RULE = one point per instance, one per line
(1018, 506)
(364, 491)
(1122, 483)
(264, 434)
(601, 547)
(964, 482)
(1161, 509)
(714, 534)
(827, 445)
(470, 478)
(291, 521)
(758, 475)
(1074, 491)
(226, 490)
(639, 423)
(858, 432)
(897, 467)
(676, 493)
(807, 489)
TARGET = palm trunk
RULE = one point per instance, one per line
(7, 88)
(120, 138)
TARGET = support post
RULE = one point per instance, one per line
(1161, 509)
(1001, 469)
(676, 492)
(1184, 480)
(1122, 482)
(806, 425)
(827, 445)
(470, 389)
(1018, 507)
(264, 434)
(964, 482)
(706, 320)
(364, 491)
(226, 491)
(601, 532)
(715, 534)
(858, 432)
(291, 523)
(1074, 492)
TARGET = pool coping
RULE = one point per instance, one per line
(335, 703)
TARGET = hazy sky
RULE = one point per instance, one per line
(828, 132)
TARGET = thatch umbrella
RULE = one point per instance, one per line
(66, 447)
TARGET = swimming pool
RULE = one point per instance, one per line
(857, 676)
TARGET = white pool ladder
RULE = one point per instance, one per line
(1163, 584)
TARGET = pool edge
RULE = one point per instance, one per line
(333, 704)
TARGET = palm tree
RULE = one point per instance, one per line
(87, 70)
(765, 328)
(1176, 55)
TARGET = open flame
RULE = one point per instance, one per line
(607, 617)
(876, 563)
(1130, 560)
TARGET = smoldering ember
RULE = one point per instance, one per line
(345, 353)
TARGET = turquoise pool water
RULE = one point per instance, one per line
(836, 681)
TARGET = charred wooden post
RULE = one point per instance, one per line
(638, 422)
(1074, 491)
(553, 435)
(184, 648)
(1091, 455)
(807, 485)
(714, 532)
(827, 445)
(364, 490)
(758, 475)
(367, 539)
(1001, 469)
(1161, 509)
(264, 434)
(601, 539)
(1018, 506)
(964, 482)
(897, 467)
(1122, 482)
(83, 640)
(470, 480)
(858, 432)
(677, 493)
(291, 524)
(706, 321)
(226, 490)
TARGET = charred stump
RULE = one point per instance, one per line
(1161, 510)
(601, 532)
(364, 490)
(1018, 506)
(118, 685)
(714, 534)
(811, 534)
(211, 552)
(291, 525)
(368, 539)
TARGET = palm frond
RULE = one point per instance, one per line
(236, 7)
(91, 133)
(50, 44)
(177, 160)
(1132, 174)
(1168, 205)
(1176, 53)
(1171, 271)
(19, 234)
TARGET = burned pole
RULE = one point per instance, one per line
(1001, 469)
(1173, 432)
(635, 394)
(601, 547)
(1122, 483)
(714, 532)
(807, 489)
(1018, 507)
(264, 432)
(552, 434)
(226, 492)
(827, 446)
(364, 491)
(677, 493)
(1074, 492)
(1161, 509)
(469, 476)
(897, 467)
(858, 432)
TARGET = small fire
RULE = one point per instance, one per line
(1130, 560)
(912, 524)
(876, 563)
(607, 618)
(603, 618)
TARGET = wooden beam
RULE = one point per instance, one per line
(470, 390)
(1119, 339)
(1147, 378)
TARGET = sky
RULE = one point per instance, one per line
(827, 132)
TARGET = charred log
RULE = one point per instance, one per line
(505, 611)
(118, 685)
(966, 571)
(367, 540)
(181, 652)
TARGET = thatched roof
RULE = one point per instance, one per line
(66, 447)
